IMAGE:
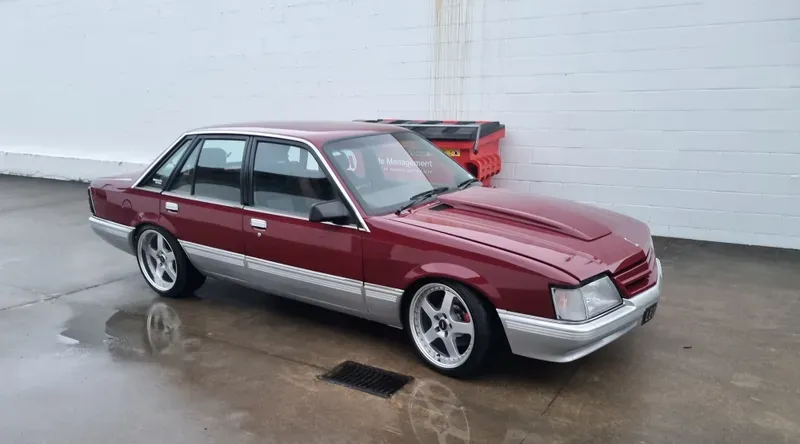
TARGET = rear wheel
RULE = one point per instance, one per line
(164, 265)
(450, 328)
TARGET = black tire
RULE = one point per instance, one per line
(485, 334)
(196, 279)
(187, 279)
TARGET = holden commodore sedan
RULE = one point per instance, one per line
(374, 221)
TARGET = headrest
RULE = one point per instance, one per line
(213, 157)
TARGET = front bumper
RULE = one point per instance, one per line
(558, 341)
(115, 234)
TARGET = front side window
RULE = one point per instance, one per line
(385, 171)
(288, 179)
(159, 178)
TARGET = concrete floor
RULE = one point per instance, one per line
(719, 363)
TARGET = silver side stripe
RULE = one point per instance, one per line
(383, 293)
(353, 286)
(304, 275)
(212, 253)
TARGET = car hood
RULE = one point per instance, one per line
(579, 239)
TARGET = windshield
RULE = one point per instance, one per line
(385, 171)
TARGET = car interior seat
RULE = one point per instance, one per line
(213, 177)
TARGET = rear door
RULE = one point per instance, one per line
(203, 204)
(286, 253)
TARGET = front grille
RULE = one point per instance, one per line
(636, 277)
(372, 380)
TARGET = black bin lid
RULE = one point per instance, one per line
(465, 130)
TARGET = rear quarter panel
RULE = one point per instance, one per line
(116, 201)
(398, 255)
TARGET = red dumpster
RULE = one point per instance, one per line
(475, 145)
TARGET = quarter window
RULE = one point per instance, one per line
(217, 173)
(288, 179)
(160, 177)
(183, 181)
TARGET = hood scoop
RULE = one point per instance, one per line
(440, 207)
(557, 215)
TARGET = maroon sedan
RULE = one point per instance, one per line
(374, 221)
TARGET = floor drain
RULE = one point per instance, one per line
(366, 378)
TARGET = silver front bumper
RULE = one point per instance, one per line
(115, 234)
(557, 341)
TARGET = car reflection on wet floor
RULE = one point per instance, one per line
(429, 410)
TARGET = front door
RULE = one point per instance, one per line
(202, 204)
(286, 253)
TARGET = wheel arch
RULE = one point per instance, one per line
(464, 277)
(453, 272)
(143, 223)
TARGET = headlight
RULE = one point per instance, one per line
(580, 304)
(649, 245)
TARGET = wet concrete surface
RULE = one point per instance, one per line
(719, 363)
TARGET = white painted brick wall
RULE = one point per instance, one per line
(682, 113)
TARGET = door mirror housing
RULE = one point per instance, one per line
(332, 211)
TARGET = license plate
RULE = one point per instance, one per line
(453, 153)
(649, 312)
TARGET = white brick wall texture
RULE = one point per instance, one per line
(682, 113)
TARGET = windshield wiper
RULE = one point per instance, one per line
(417, 198)
(467, 183)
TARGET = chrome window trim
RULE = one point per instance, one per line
(254, 132)
(351, 227)
(208, 200)
(262, 210)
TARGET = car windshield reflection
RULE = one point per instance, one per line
(387, 171)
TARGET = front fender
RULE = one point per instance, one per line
(443, 270)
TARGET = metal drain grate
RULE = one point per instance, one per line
(366, 378)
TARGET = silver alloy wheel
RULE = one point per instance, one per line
(441, 325)
(157, 260)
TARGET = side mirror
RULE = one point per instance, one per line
(332, 211)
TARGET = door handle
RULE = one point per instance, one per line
(171, 206)
(258, 224)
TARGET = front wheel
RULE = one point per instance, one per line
(450, 328)
(164, 264)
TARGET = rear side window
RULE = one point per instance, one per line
(183, 181)
(159, 178)
(219, 168)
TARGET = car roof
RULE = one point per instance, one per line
(316, 132)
